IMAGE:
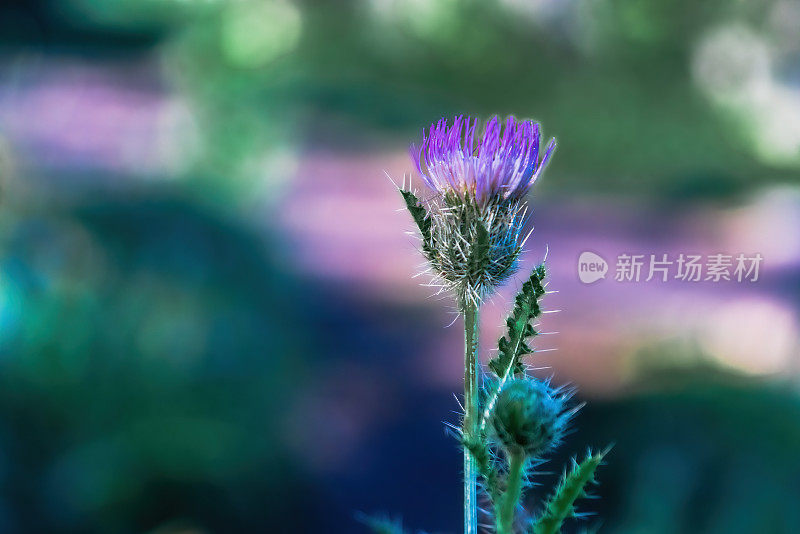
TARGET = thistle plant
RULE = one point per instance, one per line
(471, 229)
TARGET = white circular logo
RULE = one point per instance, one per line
(591, 267)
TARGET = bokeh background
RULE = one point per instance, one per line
(208, 321)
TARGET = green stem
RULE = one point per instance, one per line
(470, 415)
(510, 499)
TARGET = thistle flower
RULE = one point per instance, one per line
(472, 226)
(530, 416)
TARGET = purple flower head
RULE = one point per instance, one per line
(502, 165)
(472, 229)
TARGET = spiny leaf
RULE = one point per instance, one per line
(513, 346)
(421, 218)
(560, 506)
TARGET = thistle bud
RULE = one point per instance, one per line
(472, 227)
(530, 416)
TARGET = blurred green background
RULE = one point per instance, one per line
(207, 317)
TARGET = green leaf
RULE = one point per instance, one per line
(421, 218)
(513, 346)
(573, 484)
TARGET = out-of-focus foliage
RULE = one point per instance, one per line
(629, 87)
(612, 80)
(145, 371)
